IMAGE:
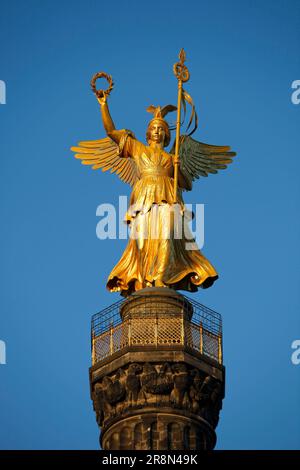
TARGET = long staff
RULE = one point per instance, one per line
(182, 74)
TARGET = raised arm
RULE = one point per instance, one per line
(108, 123)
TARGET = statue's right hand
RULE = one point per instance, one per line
(101, 97)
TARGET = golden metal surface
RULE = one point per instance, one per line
(157, 178)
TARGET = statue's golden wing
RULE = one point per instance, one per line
(199, 159)
(106, 154)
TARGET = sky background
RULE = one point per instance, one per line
(243, 58)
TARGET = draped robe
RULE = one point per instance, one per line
(155, 254)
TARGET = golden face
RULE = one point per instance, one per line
(157, 133)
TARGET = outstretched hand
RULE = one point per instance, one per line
(101, 97)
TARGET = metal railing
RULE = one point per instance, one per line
(203, 332)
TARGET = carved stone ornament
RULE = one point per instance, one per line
(144, 385)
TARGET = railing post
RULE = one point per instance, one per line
(220, 352)
(111, 340)
(182, 330)
(93, 349)
(129, 332)
(201, 338)
(156, 331)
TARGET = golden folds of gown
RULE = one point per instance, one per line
(155, 256)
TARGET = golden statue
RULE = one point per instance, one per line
(158, 178)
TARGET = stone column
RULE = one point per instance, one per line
(159, 387)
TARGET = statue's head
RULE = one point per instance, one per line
(158, 130)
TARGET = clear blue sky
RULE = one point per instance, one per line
(243, 57)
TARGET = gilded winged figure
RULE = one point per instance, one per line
(155, 260)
